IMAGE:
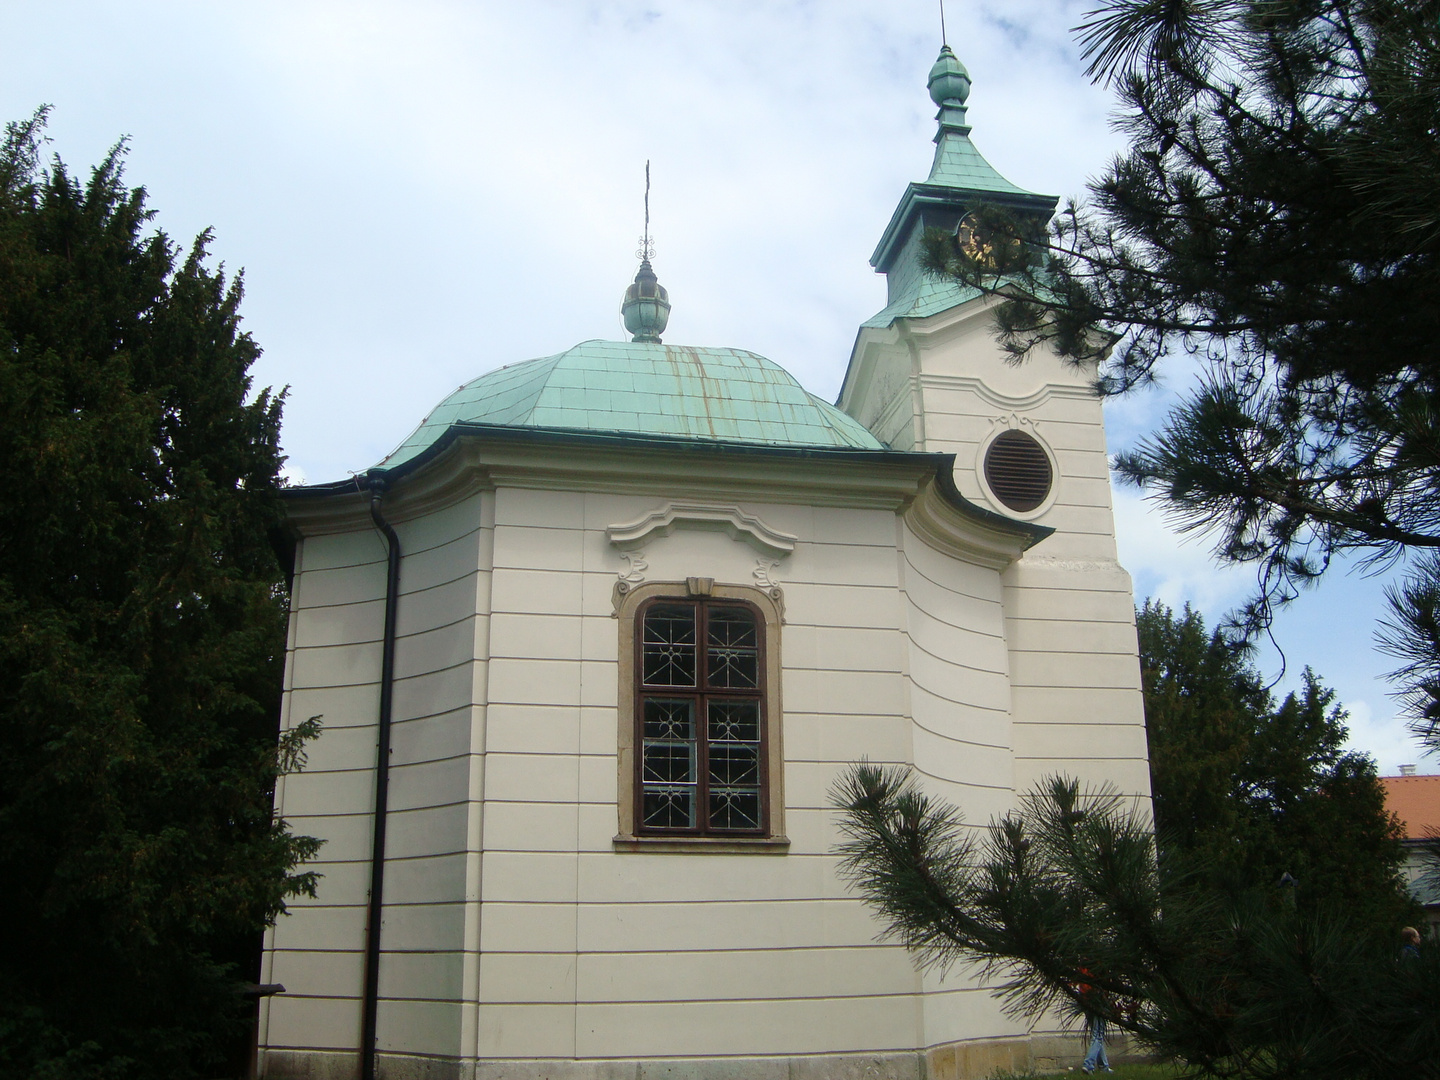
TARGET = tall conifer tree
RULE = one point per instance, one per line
(142, 617)
(1254, 789)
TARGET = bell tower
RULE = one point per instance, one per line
(927, 375)
(960, 179)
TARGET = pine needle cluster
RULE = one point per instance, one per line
(1068, 893)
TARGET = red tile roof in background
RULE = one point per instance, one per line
(1416, 799)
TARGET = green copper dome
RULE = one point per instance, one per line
(642, 388)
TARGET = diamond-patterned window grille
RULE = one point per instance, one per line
(667, 645)
(701, 719)
(731, 645)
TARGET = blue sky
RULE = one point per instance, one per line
(419, 192)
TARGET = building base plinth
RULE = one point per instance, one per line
(971, 1060)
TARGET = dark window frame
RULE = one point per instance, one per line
(702, 692)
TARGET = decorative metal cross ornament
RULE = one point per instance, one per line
(647, 246)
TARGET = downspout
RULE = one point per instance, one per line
(370, 1002)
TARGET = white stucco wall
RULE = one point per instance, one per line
(516, 929)
(591, 953)
(942, 384)
(959, 691)
(333, 671)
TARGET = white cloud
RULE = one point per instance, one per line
(1171, 568)
(422, 192)
(1386, 739)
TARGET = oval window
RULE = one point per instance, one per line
(1017, 470)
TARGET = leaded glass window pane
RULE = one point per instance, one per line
(734, 808)
(669, 748)
(733, 730)
(668, 645)
(670, 720)
(731, 764)
(669, 763)
(668, 807)
(734, 721)
(668, 771)
(731, 649)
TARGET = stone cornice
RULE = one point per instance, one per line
(472, 463)
(937, 521)
(1004, 402)
(918, 485)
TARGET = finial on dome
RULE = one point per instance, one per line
(949, 85)
(646, 307)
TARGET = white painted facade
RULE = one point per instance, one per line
(942, 384)
(518, 938)
(523, 936)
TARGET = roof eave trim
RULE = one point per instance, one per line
(581, 436)
(933, 517)
(936, 473)
(919, 195)
(1030, 532)
(887, 238)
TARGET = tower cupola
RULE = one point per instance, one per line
(960, 179)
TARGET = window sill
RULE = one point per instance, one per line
(709, 845)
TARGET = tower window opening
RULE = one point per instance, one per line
(1017, 470)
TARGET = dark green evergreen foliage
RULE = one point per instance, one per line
(1068, 891)
(1254, 790)
(1257, 940)
(1273, 215)
(141, 638)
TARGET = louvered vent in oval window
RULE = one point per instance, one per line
(1018, 471)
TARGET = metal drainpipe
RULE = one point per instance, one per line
(371, 999)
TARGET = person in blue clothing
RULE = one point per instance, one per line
(1095, 1057)
(1090, 1000)
(1409, 943)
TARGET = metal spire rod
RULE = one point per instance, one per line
(646, 250)
(943, 41)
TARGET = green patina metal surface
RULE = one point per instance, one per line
(960, 179)
(724, 395)
(959, 165)
(929, 296)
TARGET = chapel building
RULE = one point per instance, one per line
(591, 647)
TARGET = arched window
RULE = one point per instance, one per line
(700, 717)
(699, 741)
